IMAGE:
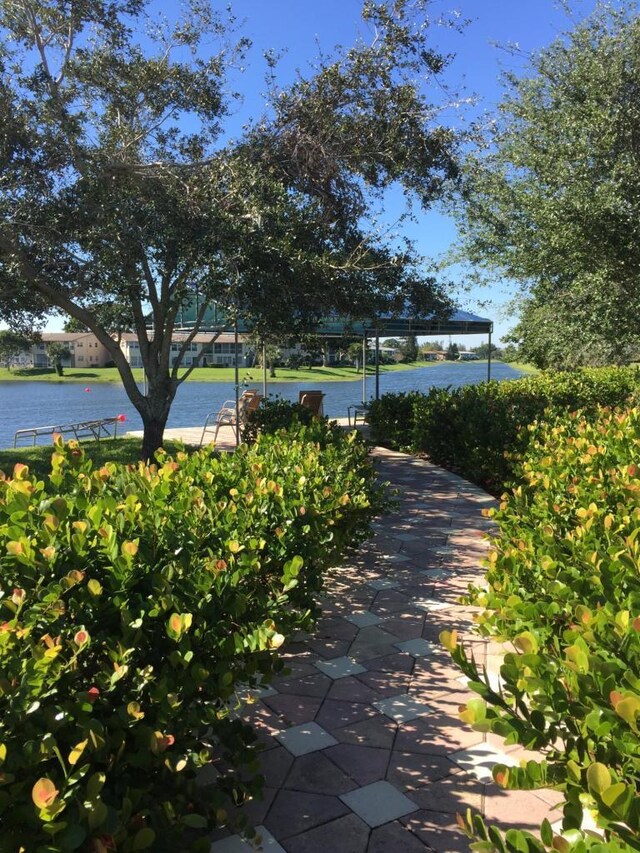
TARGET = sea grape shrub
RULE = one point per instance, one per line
(391, 418)
(275, 414)
(479, 430)
(563, 589)
(137, 602)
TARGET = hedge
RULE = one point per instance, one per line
(476, 429)
(136, 601)
(564, 590)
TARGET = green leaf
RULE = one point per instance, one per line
(195, 821)
(598, 777)
(546, 833)
(516, 841)
(614, 794)
(143, 838)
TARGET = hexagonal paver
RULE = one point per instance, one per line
(308, 737)
(364, 619)
(403, 707)
(339, 667)
(418, 648)
(378, 803)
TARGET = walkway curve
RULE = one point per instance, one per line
(364, 750)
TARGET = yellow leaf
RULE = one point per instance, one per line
(77, 751)
(133, 709)
(449, 639)
(130, 549)
(44, 793)
(275, 642)
(94, 587)
(526, 643)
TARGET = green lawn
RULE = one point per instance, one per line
(123, 450)
(525, 368)
(204, 374)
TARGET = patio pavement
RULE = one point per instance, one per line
(364, 751)
(226, 439)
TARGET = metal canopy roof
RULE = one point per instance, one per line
(457, 323)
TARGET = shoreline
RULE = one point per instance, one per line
(110, 375)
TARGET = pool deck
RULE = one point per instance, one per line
(363, 748)
(191, 436)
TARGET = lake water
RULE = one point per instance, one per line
(31, 404)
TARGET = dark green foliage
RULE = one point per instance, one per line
(391, 418)
(125, 200)
(137, 603)
(409, 348)
(563, 589)
(275, 414)
(551, 200)
(475, 429)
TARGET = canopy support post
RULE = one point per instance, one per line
(364, 367)
(377, 365)
(237, 377)
(264, 370)
(489, 356)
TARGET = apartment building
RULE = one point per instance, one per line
(218, 353)
(85, 350)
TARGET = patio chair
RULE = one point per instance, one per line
(226, 415)
(357, 412)
(312, 400)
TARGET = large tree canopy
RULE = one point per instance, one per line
(121, 196)
(553, 201)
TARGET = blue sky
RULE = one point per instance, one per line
(480, 59)
(298, 28)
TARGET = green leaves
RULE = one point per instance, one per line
(480, 430)
(553, 200)
(562, 588)
(160, 601)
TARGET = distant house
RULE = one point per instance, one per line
(219, 353)
(468, 356)
(85, 350)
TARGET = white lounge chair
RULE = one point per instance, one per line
(226, 415)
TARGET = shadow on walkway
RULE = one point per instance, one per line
(364, 751)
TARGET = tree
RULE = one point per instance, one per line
(551, 335)
(553, 201)
(409, 348)
(432, 346)
(12, 344)
(354, 354)
(452, 353)
(511, 353)
(121, 201)
(58, 352)
(482, 350)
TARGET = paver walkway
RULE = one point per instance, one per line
(364, 749)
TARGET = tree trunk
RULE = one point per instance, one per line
(154, 412)
(272, 368)
(59, 368)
